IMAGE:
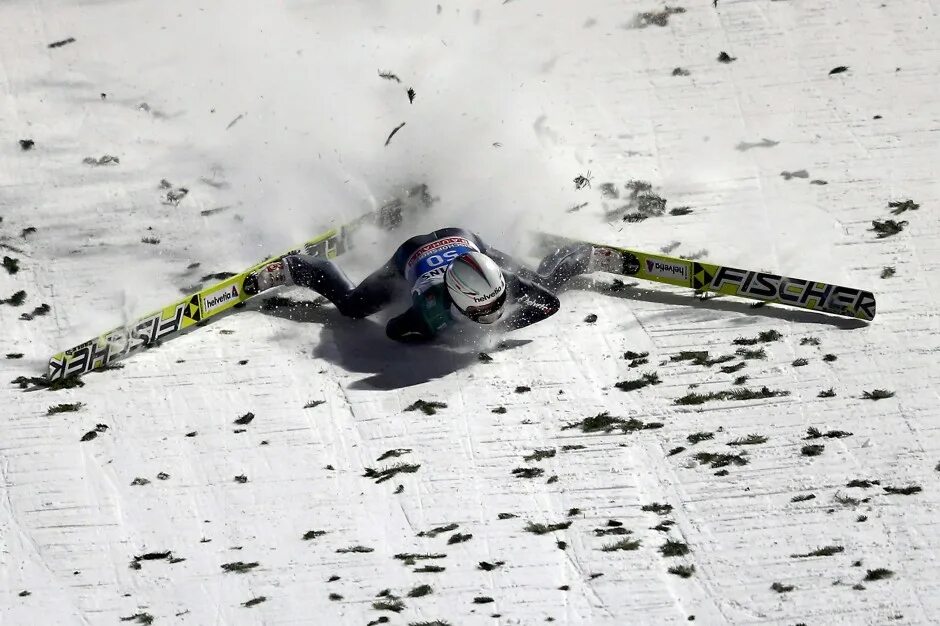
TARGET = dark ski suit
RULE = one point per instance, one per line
(421, 262)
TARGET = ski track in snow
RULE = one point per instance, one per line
(586, 93)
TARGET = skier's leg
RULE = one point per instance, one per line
(564, 264)
(327, 279)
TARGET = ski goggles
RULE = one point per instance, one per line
(489, 313)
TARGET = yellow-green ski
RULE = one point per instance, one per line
(723, 279)
(198, 308)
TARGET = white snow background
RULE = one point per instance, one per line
(274, 116)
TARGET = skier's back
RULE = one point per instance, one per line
(446, 269)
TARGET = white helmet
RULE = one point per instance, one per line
(476, 286)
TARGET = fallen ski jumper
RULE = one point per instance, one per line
(449, 272)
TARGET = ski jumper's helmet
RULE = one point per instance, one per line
(476, 286)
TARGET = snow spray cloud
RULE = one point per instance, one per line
(310, 148)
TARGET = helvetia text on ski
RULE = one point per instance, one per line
(723, 279)
(197, 308)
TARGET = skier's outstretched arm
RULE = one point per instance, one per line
(511, 265)
(535, 303)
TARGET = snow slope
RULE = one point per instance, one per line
(273, 116)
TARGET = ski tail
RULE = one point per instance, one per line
(708, 277)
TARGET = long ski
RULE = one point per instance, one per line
(198, 308)
(708, 277)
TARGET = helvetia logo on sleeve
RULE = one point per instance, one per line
(217, 298)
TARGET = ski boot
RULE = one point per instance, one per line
(274, 274)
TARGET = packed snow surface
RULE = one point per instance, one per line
(786, 127)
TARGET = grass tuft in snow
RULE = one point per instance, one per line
(682, 571)
(388, 454)
(721, 459)
(800, 362)
(523, 389)
(741, 380)
(862, 483)
(676, 451)
(750, 440)
(845, 500)
(809, 341)
(626, 544)
(239, 566)
(459, 538)
(420, 590)
(527, 472)
(903, 491)
(605, 422)
(428, 408)
(731, 369)
(878, 394)
(898, 207)
(388, 473)
(814, 433)
(313, 534)
(489, 567)
(429, 569)
(764, 337)
(389, 604)
(887, 228)
(355, 550)
(888, 271)
(781, 588)
(658, 508)
(879, 573)
(62, 383)
(409, 558)
(543, 529)
(538, 455)
(434, 532)
(436, 622)
(827, 393)
(254, 601)
(700, 357)
(17, 299)
(674, 548)
(655, 18)
(825, 551)
(695, 438)
(65, 408)
(813, 449)
(757, 353)
(11, 265)
(731, 394)
(483, 600)
(140, 618)
(644, 381)
(38, 311)
(803, 497)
